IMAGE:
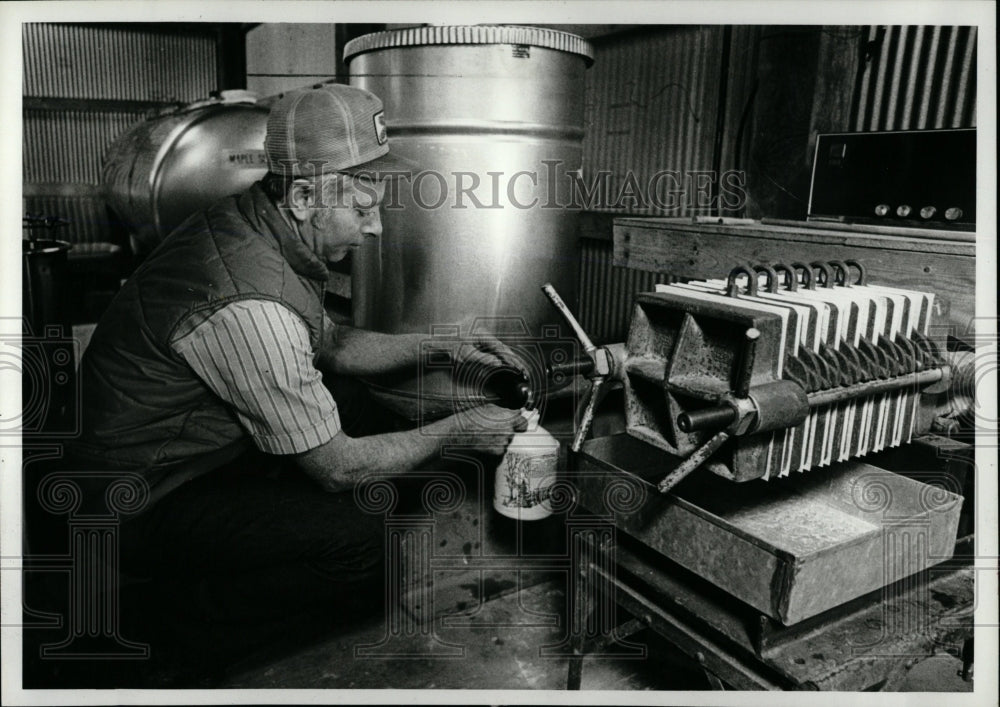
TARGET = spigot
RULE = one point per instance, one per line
(606, 367)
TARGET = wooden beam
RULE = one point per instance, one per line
(231, 57)
(62, 189)
(596, 226)
(93, 105)
(961, 235)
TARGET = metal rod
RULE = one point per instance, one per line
(836, 395)
(587, 418)
(706, 419)
(723, 415)
(699, 457)
(557, 301)
(581, 366)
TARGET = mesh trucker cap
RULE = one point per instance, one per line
(330, 127)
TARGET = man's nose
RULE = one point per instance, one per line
(372, 225)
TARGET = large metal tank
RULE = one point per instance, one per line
(171, 165)
(494, 117)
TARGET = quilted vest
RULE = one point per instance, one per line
(143, 408)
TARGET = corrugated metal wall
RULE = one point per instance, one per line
(85, 75)
(87, 215)
(68, 146)
(651, 105)
(918, 78)
(95, 61)
(651, 102)
(607, 291)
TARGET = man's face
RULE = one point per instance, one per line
(347, 214)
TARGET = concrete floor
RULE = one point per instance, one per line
(504, 642)
(496, 645)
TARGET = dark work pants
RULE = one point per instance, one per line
(251, 544)
(258, 540)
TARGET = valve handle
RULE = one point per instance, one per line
(558, 303)
(598, 387)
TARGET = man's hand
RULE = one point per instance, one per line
(489, 428)
(496, 368)
(488, 351)
(340, 463)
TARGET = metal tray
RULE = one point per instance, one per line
(791, 548)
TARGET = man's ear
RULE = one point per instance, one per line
(300, 199)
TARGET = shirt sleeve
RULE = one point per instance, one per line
(256, 356)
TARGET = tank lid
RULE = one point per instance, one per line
(471, 34)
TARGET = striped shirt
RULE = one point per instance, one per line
(256, 356)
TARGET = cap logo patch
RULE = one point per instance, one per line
(380, 133)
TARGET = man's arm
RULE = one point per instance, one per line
(358, 352)
(343, 461)
(256, 356)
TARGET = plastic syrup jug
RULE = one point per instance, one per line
(526, 473)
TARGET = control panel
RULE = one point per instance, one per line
(921, 178)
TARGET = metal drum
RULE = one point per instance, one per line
(46, 358)
(169, 166)
(43, 274)
(493, 115)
